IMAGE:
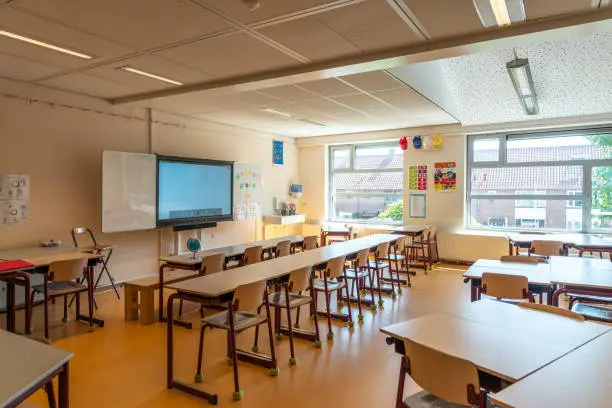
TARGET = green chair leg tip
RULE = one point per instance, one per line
(279, 336)
(340, 304)
(65, 319)
(255, 349)
(400, 291)
(274, 372)
(360, 317)
(351, 324)
(237, 395)
(330, 336)
(318, 343)
(293, 361)
(380, 303)
(229, 360)
(409, 284)
(373, 307)
(198, 378)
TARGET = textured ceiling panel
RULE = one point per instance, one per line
(268, 8)
(535, 9)
(444, 18)
(329, 87)
(13, 66)
(374, 81)
(571, 78)
(91, 85)
(289, 93)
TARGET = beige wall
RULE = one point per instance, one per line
(61, 146)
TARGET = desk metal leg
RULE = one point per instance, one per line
(104, 268)
(93, 322)
(10, 304)
(63, 387)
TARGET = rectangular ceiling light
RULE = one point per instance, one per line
(150, 75)
(45, 45)
(500, 13)
(279, 113)
(520, 74)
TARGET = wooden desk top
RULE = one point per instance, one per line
(582, 379)
(584, 272)
(41, 256)
(580, 240)
(538, 274)
(221, 283)
(24, 363)
(408, 228)
(511, 351)
(230, 250)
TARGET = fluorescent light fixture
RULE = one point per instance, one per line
(279, 113)
(520, 74)
(150, 75)
(44, 44)
(500, 13)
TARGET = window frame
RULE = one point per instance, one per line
(502, 162)
(351, 169)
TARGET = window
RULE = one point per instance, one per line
(557, 181)
(366, 183)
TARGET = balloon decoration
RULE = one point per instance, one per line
(417, 142)
(436, 141)
(403, 143)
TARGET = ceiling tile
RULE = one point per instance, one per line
(325, 106)
(195, 103)
(329, 87)
(361, 102)
(136, 23)
(404, 98)
(255, 99)
(268, 8)
(310, 38)
(91, 85)
(289, 93)
(232, 55)
(370, 25)
(374, 81)
(12, 66)
(535, 9)
(443, 18)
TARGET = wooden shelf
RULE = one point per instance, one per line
(284, 219)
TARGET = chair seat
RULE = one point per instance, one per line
(373, 264)
(278, 299)
(60, 288)
(424, 399)
(356, 274)
(591, 298)
(242, 320)
(332, 284)
(592, 312)
(395, 257)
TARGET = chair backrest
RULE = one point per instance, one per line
(400, 244)
(382, 250)
(546, 248)
(361, 261)
(300, 279)
(442, 375)
(335, 267)
(212, 264)
(67, 270)
(252, 255)
(431, 233)
(504, 286)
(76, 231)
(283, 248)
(310, 243)
(552, 309)
(250, 297)
(519, 259)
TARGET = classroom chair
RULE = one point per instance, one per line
(252, 255)
(597, 313)
(310, 243)
(378, 265)
(399, 257)
(210, 264)
(290, 296)
(243, 313)
(334, 280)
(104, 250)
(520, 259)
(553, 310)
(417, 253)
(546, 249)
(283, 248)
(64, 279)
(357, 275)
(447, 381)
(506, 287)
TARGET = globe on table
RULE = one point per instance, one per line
(194, 245)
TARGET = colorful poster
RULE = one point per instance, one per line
(247, 191)
(278, 158)
(445, 176)
(417, 178)
(14, 198)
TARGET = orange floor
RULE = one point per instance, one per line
(123, 364)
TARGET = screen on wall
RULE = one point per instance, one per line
(193, 191)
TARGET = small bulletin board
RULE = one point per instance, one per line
(14, 198)
(417, 206)
(247, 191)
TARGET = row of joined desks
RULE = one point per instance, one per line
(222, 285)
(585, 242)
(574, 273)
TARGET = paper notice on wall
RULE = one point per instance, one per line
(248, 185)
(14, 198)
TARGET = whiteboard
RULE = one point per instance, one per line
(129, 191)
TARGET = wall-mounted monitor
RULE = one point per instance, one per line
(193, 191)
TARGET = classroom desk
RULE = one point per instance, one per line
(538, 275)
(583, 276)
(41, 258)
(19, 276)
(502, 340)
(232, 253)
(222, 285)
(410, 230)
(585, 242)
(335, 231)
(27, 366)
(580, 379)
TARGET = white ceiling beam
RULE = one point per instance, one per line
(520, 35)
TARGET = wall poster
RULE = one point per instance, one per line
(445, 176)
(14, 198)
(278, 154)
(247, 191)
(417, 178)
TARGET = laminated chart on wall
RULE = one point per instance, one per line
(417, 178)
(445, 176)
(247, 191)
(14, 198)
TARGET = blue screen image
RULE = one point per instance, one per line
(193, 190)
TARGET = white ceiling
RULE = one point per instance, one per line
(194, 41)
